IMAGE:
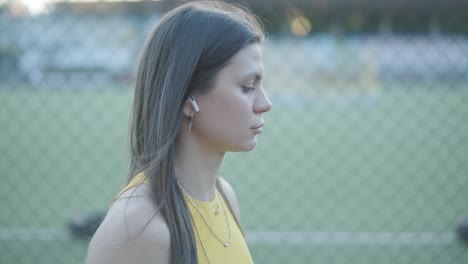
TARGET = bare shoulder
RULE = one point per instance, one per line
(132, 232)
(231, 196)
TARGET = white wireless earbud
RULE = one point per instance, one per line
(194, 104)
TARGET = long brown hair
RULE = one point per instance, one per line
(182, 56)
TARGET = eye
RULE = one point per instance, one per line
(247, 89)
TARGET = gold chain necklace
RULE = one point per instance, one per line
(226, 243)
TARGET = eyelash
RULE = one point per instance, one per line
(247, 89)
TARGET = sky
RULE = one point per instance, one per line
(40, 6)
(35, 6)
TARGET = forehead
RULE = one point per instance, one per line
(248, 61)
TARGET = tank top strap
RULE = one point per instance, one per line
(138, 179)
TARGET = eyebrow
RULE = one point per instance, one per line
(254, 74)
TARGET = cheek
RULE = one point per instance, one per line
(235, 110)
(228, 105)
(227, 118)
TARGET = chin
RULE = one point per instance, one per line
(248, 146)
(245, 146)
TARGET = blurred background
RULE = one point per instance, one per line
(363, 159)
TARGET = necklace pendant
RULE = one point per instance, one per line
(227, 244)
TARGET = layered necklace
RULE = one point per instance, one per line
(190, 198)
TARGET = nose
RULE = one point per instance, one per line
(262, 102)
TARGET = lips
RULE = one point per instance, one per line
(258, 126)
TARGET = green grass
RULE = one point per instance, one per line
(391, 162)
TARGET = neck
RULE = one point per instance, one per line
(197, 169)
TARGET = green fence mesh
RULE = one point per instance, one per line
(363, 159)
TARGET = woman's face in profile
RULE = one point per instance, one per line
(230, 116)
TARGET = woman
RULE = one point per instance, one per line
(198, 95)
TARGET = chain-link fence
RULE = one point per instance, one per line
(364, 157)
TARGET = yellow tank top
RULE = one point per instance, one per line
(212, 222)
